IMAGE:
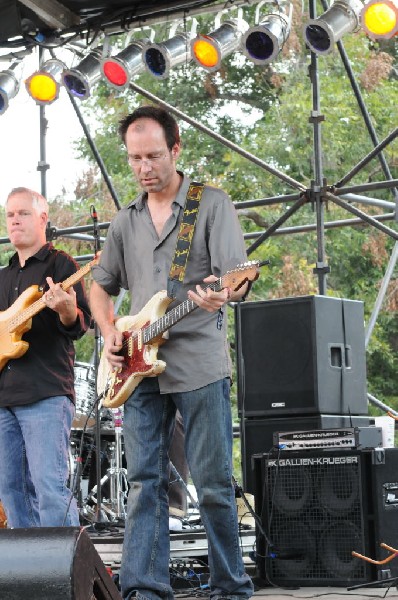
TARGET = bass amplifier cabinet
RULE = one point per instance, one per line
(316, 507)
(256, 435)
(301, 355)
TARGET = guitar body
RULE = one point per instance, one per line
(11, 344)
(140, 360)
(17, 319)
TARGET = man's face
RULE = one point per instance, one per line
(149, 157)
(25, 226)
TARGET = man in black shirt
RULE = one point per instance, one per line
(37, 384)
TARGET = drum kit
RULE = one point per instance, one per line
(83, 457)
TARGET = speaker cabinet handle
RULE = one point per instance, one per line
(336, 356)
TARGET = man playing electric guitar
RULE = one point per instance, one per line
(37, 376)
(143, 253)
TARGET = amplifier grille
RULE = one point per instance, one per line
(311, 506)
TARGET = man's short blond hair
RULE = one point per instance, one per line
(39, 202)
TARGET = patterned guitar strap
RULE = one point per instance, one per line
(184, 238)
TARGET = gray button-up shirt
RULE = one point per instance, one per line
(135, 258)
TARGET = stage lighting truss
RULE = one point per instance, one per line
(159, 58)
(379, 18)
(209, 50)
(120, 69)
(43, 85)
(80, 80)
(9, 86)
(323, 32)
(262, 43)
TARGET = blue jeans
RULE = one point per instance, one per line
(34, 447)
(148, 426)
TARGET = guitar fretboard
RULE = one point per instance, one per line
(172, 317)
(37, 306)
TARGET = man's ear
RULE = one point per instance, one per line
(44, 219)
(175, 151)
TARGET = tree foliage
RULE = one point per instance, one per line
(269, 112)
(266, 111)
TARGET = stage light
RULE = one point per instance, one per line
(160, 58)
(43, 85)
(342, 17)
(262, 43)
(9, 87)
(379, 18)
(79, 80)
(118, 70)
(209, 50)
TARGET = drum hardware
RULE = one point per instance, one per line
(116, 477)
(85, 395)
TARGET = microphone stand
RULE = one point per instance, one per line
(100, 518)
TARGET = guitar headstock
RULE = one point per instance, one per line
(248, 271)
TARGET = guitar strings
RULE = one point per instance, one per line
(185, 304)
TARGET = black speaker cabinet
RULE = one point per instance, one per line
(382, 512)
(302, 355)
(52, 563)
(256, 435)
(316, 507)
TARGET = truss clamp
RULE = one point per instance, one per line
(42, 166)
(316, 117)
(51, 233)
(321, 269)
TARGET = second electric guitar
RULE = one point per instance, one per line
(142, 334)
(17, 319)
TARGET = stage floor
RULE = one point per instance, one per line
(189, 570)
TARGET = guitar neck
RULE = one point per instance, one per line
(172, 317)
(37, 306)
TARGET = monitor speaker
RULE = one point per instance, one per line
(302, 355)
(52, 563)
(317, 507)
(256, 435)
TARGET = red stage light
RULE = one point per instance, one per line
(118, 70)
(115, 73)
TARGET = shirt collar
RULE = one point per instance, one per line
(40, 255)
(139, 202)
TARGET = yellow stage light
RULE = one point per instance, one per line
(205, 52)
(209, 50)
(43, 85)
(379, 18)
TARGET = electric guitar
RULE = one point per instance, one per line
(142, 335)
(17, 319)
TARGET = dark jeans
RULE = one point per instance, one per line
(177, 491)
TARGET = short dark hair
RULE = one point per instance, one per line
(160, 115)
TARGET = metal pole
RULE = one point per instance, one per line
(42, 165)
(95, 152)
(316, 194)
